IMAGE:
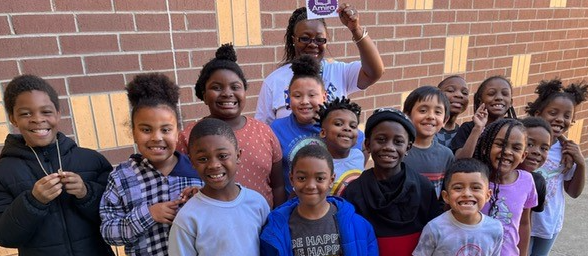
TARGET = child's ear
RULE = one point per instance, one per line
(322, 133)
(12, 120)
(409, 146)
(366, 145)
(488, 194)
(239, 156)
(445, 196)
(324, 95)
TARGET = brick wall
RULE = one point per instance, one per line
(88, 50)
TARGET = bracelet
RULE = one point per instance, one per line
(365, 33)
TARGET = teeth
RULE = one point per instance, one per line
(216, 176)
(468, 203)
(157, 148)
(228, 104)
(41, 131)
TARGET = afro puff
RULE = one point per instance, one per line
(225, 58)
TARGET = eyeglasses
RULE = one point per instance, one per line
(308, 40)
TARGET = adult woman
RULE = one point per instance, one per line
(304, 36)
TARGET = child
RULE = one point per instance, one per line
(539, 142)
(428, 109)
(502, 148)
(557, 105)
(338, 121)
(223, 218)
(49, 187)
(143, 193)
(457, 92)
(312, 223)
(222, 85)
(492, 101)
(395, 199)
(463, 230)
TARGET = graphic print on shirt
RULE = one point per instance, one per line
(341, 182)
(469, 250)
(550, 170)
(501, 211)
(319, 245)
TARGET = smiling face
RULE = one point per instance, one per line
(514, 151)
(310, 29)
(497, 96)
(224, 94)
(339, 131)
(216, 159)
(155, 132)
(387, 144)
(428, 116)
(559, 113)
(457, 92)
(466, 194)
(306, 95)
(312, 180)
(539, 142)
(36, 118)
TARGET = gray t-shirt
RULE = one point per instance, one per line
(430, 162)
(315, 237)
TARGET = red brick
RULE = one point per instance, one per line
(467, 16)
(545, 13)
(564, 65)
(408, 31)
(198, 21)
(501, 27)
(505, 38)
(391, 74)
(164, 61)
(419, 17)
(521, 26)
(478, 52)
(83, 5)
(443, 16)
(52, 66)
(405, 85)
(201, 57)
(159, 22)
(369, 18)
(118, 155)
(503, 4)
(18, 6)
(273, 37)
(145, 42)
(432, 57)
(187, 76)
(382, 32)
(280, 20)
(253, 88)
(415, 71)
(461, 4)
(8, 69)
(187, 94)
(500, 50)
(458, 29)
(338, 49)
(438, 5)
(194, 111)
(392, 18)
(483, 4)
(515, 49)
(527, 14)
(504, 15)
(417, 44)
(65, 124)
(524, 37)
(43, 24)
(434, 30)
(438, 43)
(88, 44)
(130, 5)
(431, 80)
(388, 100)
(561, 13)
(105, 22)
(111, 63)
(255, 55)
(59, 85)
(272, 6)
(193, 40)
(480, 28)
(403, 59)
(97, 83)
(484, 15)
(28, 46)
(554, 56)
(191, 5)
(4, 26)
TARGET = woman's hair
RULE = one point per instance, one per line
(424, 93)
(150, 91)
(337, 104)
(478, 96)
(447, 79)
(226, 58)
(306, 66)
(533, 122)
(209, 127)
(552, 89)
(315, 151)
(27, 83)
(297, 16)
(483, 148)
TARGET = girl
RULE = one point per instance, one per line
(143, 194)
(502, 148)
(222, 87)
(304, 36)
(456, 90)
(557, 106)
(492, 101)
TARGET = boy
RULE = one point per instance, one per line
(338, 121)
(539, 143)
(50, 188)
(428, 109)
(312, 223)
(395, 199)
(223, 218)
(463, 230)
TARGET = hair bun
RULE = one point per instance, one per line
(226, 52)
(152, 86)
(306, 65)
(546, 88)
(578, 90)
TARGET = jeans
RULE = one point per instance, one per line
(540, 246)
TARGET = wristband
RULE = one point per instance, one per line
(365, 33)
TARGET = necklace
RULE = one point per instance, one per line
(60, 170)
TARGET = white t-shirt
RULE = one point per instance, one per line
(340, 80)
(347, 170)
(549, 222)
(445, 235)
(206, 226)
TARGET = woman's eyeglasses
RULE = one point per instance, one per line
(308, 40)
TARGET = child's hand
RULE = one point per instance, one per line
(348, 16)
(481, 116)
(74, 185)
(571, 154)
(164, 212)
(47, 188)
(187, 193)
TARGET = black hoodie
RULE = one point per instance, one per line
(65, 226)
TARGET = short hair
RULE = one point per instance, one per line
(338, 104)
(426, 93)
(226, 58)
(478, 95)
(314, 151)
(211, 126)
(27, 83)
(152, 90)
(533, 122)
(466, 165)
(449, 78)
(547, 91)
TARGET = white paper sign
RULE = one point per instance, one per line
(316, 9)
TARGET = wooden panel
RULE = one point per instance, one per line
(463, 53)
(103, 120)
(253, 22)
(225, 21)
(575, 132)
(122, 122)
(449, 42)
(239, 22)
(84, 122)
(2, 113)
(410, 4)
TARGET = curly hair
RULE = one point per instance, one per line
(211, 126)
(306, 66)
(225, 58)
(289, 50)
(478, 95)
(152, 90)
(27, 83)
(552, 89)
(337, 104)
